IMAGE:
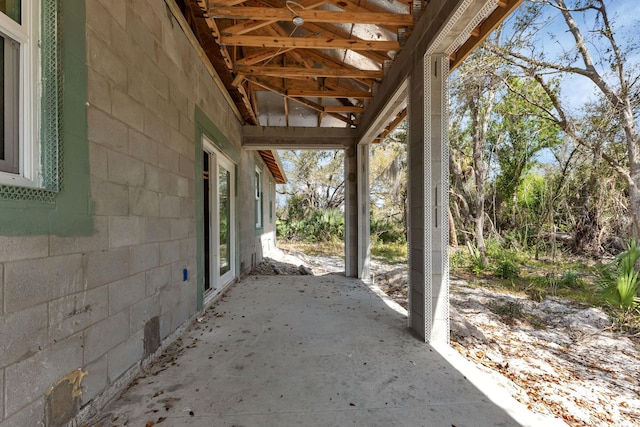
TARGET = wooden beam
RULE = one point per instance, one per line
(505, 7)
(343, 109)
(248, 26)
(300, 100)
(224, 3)
(284, 138)
(308, 72)
(262, 55)
(309, 43)
(328, 30)
(285, 14)
(328, 94)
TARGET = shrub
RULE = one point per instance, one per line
(507, 269)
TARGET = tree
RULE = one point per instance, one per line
(601, 59)
(474, 92)
(316, 181)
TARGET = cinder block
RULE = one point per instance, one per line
(182, 313)
(141, 15)
(169, 206)
(142, 148)
(106, 266)
(99, 240)
(158, 229)
(98, 20)
(124, 230)
(29, 378)
(125, 170)
(127, 50)
(96, 380)
(98, 161)
(152, 180)
(181, 144)
(187, 167)
(142, 311)
(157, 279)
(188, 207)
(103, 336)
(22, 333)
(73, 313)
(13, 248)
(117, 9)
(182, 185)
(165, 325)
(168, 159)
(177, 97)
(179, 228)
(126, 292)
(163, 107)
(169, 252)
(127, 110)
(144, 257)
(156, 129)
(156, 77)
(109, 198)
(99, 91)
(106, 131)
(1, 394)
(102, 58)
(30, 415)
(125, 355)
(170, 295)
(31, 282)
(143, 202)
(188, 248)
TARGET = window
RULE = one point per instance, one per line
(19, 100)
(258, 187)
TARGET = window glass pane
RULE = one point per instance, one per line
(2, 99)
(9, 75)
(11, 8)
(224, 180)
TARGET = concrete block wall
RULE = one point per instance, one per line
(97, 302)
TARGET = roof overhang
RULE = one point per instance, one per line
(330, 63)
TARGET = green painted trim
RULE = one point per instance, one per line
(66, 212)
(205, 127)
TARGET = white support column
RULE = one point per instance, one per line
(428, 199)
(364, 232)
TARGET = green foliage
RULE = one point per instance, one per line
(387, 230)
(390, 252)
(570, 279)
(322, 225)
(619, 280)
(507, 269)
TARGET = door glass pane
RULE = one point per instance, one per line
(224, 178)
(11, 8)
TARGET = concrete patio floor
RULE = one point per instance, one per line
(309, 351)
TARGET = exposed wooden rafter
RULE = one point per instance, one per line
(309, 43)
(286, 14)
(308, 72)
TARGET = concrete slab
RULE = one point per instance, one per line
(305, 351)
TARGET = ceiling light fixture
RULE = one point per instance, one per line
(297, 20)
